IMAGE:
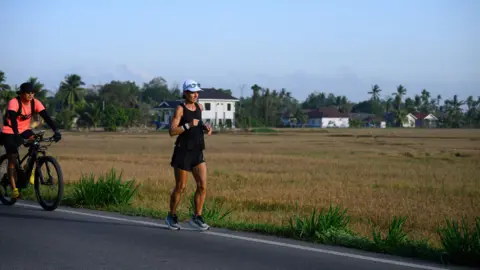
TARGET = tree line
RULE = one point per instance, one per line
(125, 104)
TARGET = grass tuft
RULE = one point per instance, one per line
(107, 190)
(395, 235)
(322, 226)
(461, 244)
(212, 210)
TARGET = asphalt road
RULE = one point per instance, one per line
(31, 238)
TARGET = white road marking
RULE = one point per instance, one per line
(251, 239)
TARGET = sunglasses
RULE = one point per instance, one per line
(193, 85)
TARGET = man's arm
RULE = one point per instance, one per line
(174, 128)
(44, 114)
(12, 116)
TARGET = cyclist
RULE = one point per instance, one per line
(16, 127)
(188, 154)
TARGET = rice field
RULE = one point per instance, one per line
(267, 177)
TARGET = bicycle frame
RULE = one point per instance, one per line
(34, 148)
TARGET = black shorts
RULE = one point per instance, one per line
(9, 142)
(186, 159)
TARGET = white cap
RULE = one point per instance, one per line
(191, 85)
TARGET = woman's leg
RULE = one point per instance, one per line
(200, 175)
(181, 177)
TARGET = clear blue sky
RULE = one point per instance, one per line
(341, 46)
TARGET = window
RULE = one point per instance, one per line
(207, 106)
(229, 107)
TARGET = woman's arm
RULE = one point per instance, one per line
(174, 128)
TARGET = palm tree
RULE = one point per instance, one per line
(401, 91)
(400, 114)
(92, 114)
(6, 92)
(454, 111)
(400, 117)
(40, 92)
(71, 91)
(439, 98)
(388, 104)
(3, 85)
(472, 110)
(425, 104)
(375, 92)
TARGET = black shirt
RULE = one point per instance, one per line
(192, 138)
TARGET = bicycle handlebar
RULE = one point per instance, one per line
(39, 138)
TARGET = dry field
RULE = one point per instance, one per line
(375, 173)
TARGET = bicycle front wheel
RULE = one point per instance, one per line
(47, 172)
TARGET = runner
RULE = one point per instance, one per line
(188, 154)
(16, 127)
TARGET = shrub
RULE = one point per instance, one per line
(394, 237)
(106, 191)
(324, 226)
(461, 244)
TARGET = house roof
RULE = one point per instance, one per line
(212, 93)
(168, 104)
(207, 93)
(412, 115)
(326, 112)
(421, 116)
(362, 116)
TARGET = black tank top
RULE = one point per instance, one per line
(193, 138)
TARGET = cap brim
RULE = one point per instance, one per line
(194, 89)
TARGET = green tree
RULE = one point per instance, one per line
(375, 92)
(71, 91)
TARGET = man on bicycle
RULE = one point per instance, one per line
(16, 127)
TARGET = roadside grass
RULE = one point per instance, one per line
(460, 243)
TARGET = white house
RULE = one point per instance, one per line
(218, 108)
(426, 120)
(421, 120)
(328, 118)
(410, 121)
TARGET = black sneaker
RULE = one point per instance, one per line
(197, 222)
(172, 222)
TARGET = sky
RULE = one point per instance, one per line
(337, 46)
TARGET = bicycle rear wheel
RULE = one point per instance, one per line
(46, 178)
(5, 187)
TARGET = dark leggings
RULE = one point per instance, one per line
(10, 144)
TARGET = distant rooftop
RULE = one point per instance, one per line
(207, 93)
(212, 93)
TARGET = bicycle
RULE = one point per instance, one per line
(23, 175)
